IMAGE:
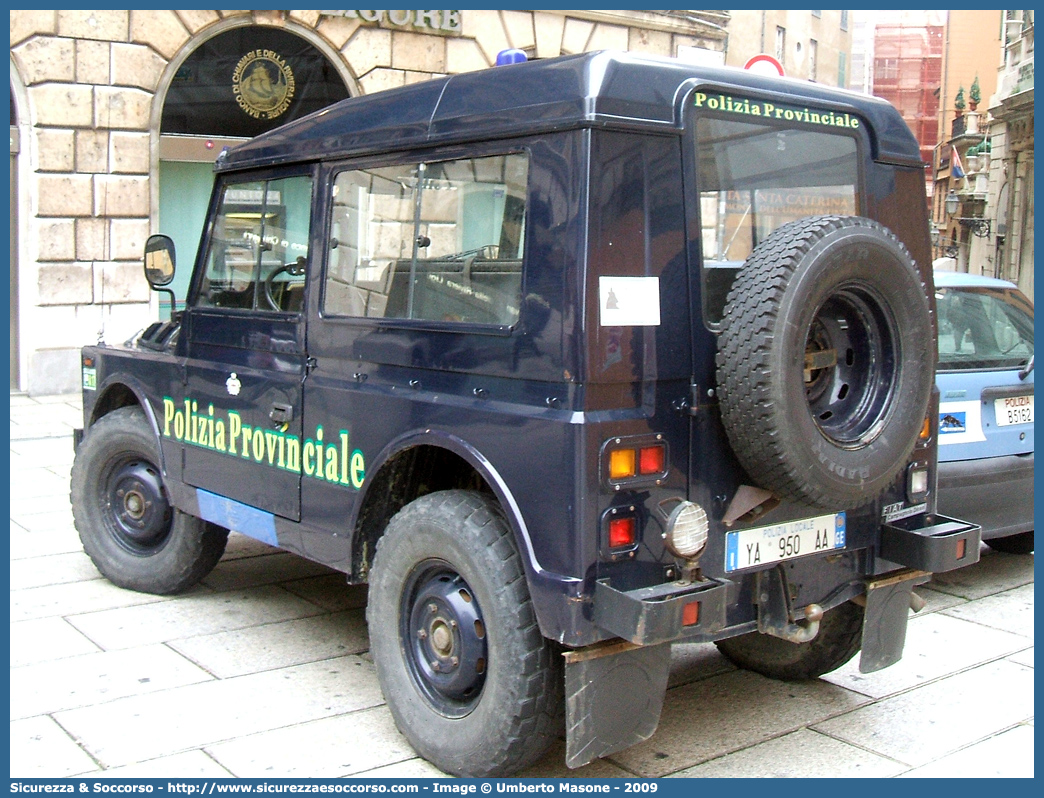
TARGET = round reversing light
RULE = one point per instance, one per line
(687, 528)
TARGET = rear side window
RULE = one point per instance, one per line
(983, 328)
(757, 172)
(440, 241)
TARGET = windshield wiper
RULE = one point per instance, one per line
(1024, 372)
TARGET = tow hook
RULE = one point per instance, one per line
(801, 631)
(774, 613)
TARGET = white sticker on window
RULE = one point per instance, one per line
(629, 301)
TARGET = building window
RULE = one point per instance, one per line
(817, 14)
(781, 44)
(842, 70)
(813, 58)
(844, 20)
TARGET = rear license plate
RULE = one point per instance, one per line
(768, 544)
(1014, 410)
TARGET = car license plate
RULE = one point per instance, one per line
(768, 544)
(1014, 410)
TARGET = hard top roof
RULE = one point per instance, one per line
(602, 89)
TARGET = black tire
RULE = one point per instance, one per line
(839, 639)
(127, 526)
(447, 582)
(836, 435)
(1021, 543)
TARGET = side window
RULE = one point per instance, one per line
(259, 248)
(438, 241)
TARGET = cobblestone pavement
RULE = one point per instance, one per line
(263, 670)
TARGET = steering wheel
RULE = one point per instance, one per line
(295, 269)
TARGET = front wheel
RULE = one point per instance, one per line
(467, 675)
(839, 639)
(128, 528)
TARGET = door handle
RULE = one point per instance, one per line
(280, 413)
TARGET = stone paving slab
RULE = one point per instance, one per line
(993, 573)
(277, 566)
(1023, 657)
(48, 687)
(415, 768)
(191, 615)
(1011, 610)
(40, 748)
(189, 765)
(144, 727)
(936, 719)
(338, 746)
(277, 645)
(329, 592)
(81, 597)
(936, 601)
(36, 483)
(43, 542)
(1005, 755)
(936, 646)
(552, 766)
(43, 451)
(48, 520)
(691, 662)
(45, 640)
(56, 569)
(799, 754)
(716, 716)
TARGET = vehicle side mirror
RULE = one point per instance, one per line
(160, 261)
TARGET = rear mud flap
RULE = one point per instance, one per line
(614, 694)
(885, 617)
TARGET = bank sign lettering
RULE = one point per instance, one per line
(224, 432)
(444, 21)
(744, 106)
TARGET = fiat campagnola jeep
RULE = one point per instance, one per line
(568, 360)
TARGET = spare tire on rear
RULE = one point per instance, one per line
(825, 361)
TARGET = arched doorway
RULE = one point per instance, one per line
(237, 84)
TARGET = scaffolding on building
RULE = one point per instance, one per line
(907, 72)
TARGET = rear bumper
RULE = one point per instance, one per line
(995, 492)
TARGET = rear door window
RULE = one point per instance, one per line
(757, 172)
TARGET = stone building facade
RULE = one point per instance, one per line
(100, 159)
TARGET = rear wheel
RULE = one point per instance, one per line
(839, 639)
(1021, 543)
(128, 528)
(467, 675)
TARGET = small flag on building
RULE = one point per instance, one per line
(956, 168)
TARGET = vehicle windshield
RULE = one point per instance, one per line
(983, 328)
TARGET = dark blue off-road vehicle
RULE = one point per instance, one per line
(568, 360)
